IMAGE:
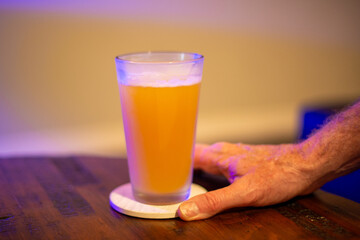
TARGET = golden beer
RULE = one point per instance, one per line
(160, 125)
(159, 94)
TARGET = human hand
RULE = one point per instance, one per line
(259, 175)
(269, 174)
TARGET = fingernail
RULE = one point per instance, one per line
(189, 209)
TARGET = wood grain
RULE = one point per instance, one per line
(68, 198)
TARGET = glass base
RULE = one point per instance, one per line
(161, 199)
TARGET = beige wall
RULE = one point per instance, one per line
(58, 88)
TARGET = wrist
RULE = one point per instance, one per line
(318, 165)
(325, 158)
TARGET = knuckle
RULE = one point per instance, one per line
(213, 202)
(259, 196)
(221, 146)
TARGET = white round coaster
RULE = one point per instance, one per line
(123, 201)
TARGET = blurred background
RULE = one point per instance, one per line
(266, 63)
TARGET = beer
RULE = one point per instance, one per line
(160, 124)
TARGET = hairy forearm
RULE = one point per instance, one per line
(335, 149)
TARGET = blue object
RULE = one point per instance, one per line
(347, 186)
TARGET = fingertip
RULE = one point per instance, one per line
(189, 211)
(208, 204)
(199, 149)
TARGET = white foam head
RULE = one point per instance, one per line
(152, 69)
(154, 80)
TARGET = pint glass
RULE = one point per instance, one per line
(159, 93)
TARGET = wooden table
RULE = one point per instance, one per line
(68, 198)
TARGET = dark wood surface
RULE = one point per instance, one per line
(68, 198)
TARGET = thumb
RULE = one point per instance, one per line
(208, 204)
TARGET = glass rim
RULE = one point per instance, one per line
(120, 57)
